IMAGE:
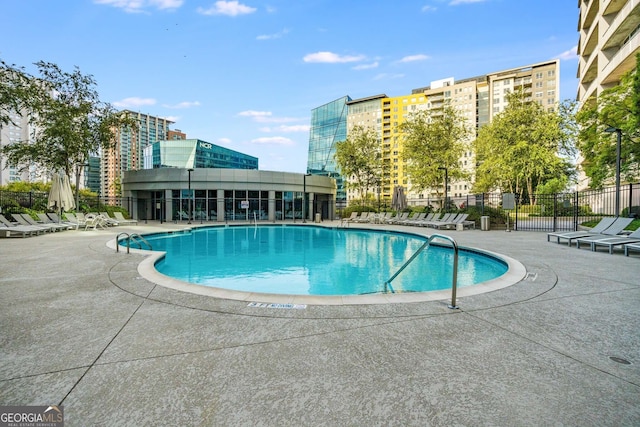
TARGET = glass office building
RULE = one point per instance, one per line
(195, 153)
(328, 126)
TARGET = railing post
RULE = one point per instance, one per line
(575, 211)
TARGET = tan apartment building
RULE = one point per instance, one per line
(607, 47)
(609, 41)
(478, 99)
(128, 150)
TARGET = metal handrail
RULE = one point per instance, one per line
(133, 236)
(426, 244)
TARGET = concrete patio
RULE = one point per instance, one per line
(81, 328)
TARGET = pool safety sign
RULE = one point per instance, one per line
(274, 305)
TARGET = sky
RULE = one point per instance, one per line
(245, 74)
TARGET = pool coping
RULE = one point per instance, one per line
(515, 273)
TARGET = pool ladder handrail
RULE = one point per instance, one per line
(454, 283)
(133, 236)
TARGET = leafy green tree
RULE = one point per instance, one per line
(617, 107)
(434, 141)
(525, 146)
(70, 121)
(15, 93)
(359, 159)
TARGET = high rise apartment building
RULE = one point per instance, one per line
(128, 151)
(478, 99)
(18, 131)
(609, 41)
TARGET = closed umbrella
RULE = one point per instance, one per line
(61, 195)
(398, 200)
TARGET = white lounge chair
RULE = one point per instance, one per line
(631, 247)
(613, 241)
(12, 227)
(44, 219)
(122, 220)
(613, 230)
(27, 220)
(571, 235)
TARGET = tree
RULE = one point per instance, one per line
(617, 107)
(14, 91)
(525, 146)
(359, 159)
(70, 121)
(434, 141)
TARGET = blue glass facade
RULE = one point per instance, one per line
(195, 153)
(328, 126)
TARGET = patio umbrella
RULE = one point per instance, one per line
(398, 200)
(61, 195)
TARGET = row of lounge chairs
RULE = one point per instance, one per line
(609, 233)
(25, 225)
(433, 220)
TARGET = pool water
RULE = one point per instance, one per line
(311, 260)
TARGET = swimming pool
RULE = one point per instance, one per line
(315, 261)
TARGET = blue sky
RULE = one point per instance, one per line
(246, 74)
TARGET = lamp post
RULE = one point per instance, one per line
(189, 170)
(618, 132)
(304, 197)
(446, 185)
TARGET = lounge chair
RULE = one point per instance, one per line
(75, 220)
(13, 227)
(415, 220)
(122, 220)
(352, 218)
(27, 220)
(110, 221)
(612, 241)
(631, 247)
(438, 222)
(571, 235)
(93, 221)
(364, 217)
(44, 219)
(427, 218)
(57, 220)
(613, 230)
(460, 218)
(399, 218)
(414, 216)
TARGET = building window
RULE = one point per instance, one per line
(551, 73)
(538, 75)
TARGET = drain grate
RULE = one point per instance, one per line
(620, 360)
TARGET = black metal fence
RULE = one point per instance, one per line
(540, 212)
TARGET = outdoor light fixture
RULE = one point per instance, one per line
(189, 170)
(618, 132)
(446, 185)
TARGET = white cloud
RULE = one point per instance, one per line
(229, 8)
(331, 58)
(265, 117)
(414, 58)
(386, 76)
(226, 141)
(366, 66)
(184, 104)
(133, 102)
(135, 6)
(428, 8)
(569, 54)
(457, 2)
(273, 36)
(273, 140)
(286, 129)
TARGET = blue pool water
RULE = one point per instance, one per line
(310, 260)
